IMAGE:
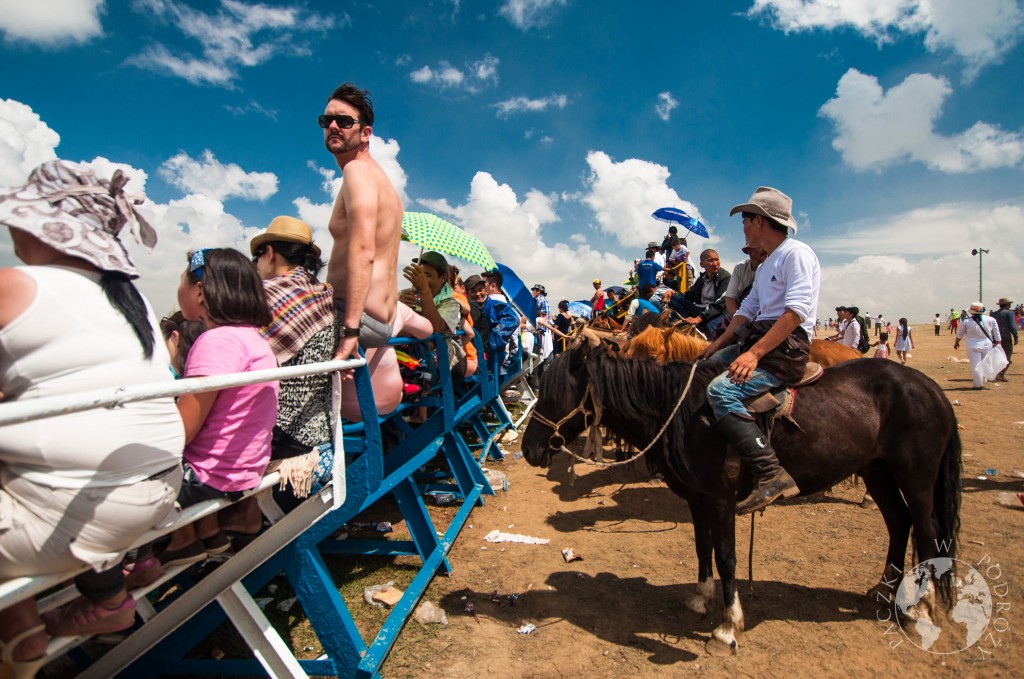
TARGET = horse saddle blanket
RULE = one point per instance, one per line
(779, 402)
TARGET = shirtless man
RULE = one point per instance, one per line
(366, 226)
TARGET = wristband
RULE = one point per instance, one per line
(350, 332)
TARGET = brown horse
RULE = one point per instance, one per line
(899, 435)
(674, 343)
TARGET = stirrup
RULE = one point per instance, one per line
(20, 669)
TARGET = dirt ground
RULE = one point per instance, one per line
(620, 611)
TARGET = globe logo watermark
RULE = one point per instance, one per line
(977, 614)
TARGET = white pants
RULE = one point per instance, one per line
(547, 344)
(975, 355)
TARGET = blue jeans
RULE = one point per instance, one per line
(726, 397)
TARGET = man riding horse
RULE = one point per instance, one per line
(767, 343)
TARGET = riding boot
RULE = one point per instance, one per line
(771, 481)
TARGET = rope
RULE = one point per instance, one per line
(657, 436)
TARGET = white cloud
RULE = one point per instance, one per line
(476, 75)
(236, 36)
(877, 128)
(252, 107)
(525, 105)
(51, 23)
(623, 195)
(513, 231)
(979, 32)
(25, 142)
(526, 14)
(210, 177)
(666, 103)
(933, 270)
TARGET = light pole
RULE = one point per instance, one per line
(981, 253)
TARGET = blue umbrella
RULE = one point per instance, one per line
(517, 291)
(581, 309)
(676, 216)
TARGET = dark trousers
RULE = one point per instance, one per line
(1007, 344)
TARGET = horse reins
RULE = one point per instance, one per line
(581, 408)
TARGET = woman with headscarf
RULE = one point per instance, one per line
(78, 489)
(982, 333)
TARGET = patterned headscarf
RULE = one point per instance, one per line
(66, 206)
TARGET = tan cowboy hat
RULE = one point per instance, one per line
(285, 230)
(1004, 301)
(770, 203)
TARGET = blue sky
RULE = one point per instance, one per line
(553, 128)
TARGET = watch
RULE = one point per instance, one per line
(350, 332)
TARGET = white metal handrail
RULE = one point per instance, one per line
(48, 406)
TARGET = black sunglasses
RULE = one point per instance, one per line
(344, 122)
(259, 253)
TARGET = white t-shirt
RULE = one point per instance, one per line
(851, 334)
(789, 279)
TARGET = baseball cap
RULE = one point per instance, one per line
(434, 259)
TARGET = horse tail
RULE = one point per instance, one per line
(946, 503)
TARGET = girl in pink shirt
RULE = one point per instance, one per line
(227, 432)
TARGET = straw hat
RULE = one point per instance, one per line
(285, 230)
(770, 203)
(66, 206)
(977, 308)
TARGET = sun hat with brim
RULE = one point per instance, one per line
(977, 308)
(285, 230)
(770, 203)
(540, 288)
(66, 206)
(434, 259)
(1004, 301)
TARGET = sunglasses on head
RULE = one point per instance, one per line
(344, 122)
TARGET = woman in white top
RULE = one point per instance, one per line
(77, 489)
(982, 333)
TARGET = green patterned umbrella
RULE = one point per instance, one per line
(431, 232)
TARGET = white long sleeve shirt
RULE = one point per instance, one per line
(789, 279)
(976, 339)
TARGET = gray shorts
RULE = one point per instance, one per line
(372, 333)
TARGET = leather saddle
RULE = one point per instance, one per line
(779, 401)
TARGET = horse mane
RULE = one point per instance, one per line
(666, 345)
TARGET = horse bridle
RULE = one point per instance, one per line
(588, 392)
(555, 426)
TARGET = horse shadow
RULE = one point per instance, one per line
(660, 507)
(651, 617)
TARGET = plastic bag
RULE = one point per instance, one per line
(993, 363)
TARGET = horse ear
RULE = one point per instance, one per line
(610, 346)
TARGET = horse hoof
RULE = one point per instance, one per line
(868, 503)
(880, 596)
(697, 605)
(719, 648)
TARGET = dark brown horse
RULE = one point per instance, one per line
(897, 428)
